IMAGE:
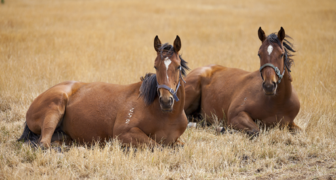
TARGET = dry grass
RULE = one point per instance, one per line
(46, 42)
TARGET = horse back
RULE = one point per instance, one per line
(92, 112)
(209, 86)
(195, 81)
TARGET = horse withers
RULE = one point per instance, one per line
(242, 97)
(149, 112)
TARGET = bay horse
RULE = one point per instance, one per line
(149, 112)
(242, 97)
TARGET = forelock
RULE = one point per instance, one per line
(166, 50)
(273, 38)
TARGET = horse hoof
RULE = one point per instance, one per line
(42, 146)
(127, 149)
(253, 134)
(58, 149)
(220, 130)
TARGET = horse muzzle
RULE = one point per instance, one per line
(166, 103)
(269, 88)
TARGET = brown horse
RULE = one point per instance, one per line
(148, 112)
(242, 97)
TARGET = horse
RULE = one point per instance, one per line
(147, 113)
(240, 98)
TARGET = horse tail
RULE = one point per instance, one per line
(28, 136)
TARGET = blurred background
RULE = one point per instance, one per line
(43, 43)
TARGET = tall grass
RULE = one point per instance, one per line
(43, 43)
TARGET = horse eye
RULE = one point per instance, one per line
(259, 55)
(281, 55)
(155, 68)
(179, 67)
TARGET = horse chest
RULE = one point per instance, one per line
(268, 112)
(161, 128)
(167, 130)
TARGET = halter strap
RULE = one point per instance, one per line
(171, 91)
(276, 69)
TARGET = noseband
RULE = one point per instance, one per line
(276, 69)
(172, 92)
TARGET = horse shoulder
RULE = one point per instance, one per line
(240, 92)
(132, 110)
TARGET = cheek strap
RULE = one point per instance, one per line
(172, 92)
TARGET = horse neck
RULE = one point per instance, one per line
(181, 95)
(284, 90)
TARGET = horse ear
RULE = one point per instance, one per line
(281, 34)
(177, 44)
(157, 43)
(261, 35)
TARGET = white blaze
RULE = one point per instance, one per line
(270, 49)
(167, 62)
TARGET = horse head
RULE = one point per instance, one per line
(272, 62)
(168, 72)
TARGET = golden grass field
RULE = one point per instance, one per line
(43, 43)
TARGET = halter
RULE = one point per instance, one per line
(276, 69)
(171, 91)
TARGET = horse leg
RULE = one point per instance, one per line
(293, 127)
(178, 143)
(50, 123)
(137, 138)
(243, 122)
(52, 119)
(59, 137)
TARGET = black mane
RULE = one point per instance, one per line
(148, 88)
(288, 46)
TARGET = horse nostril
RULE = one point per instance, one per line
(171, 100)
(269, 87)
(166, 101)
